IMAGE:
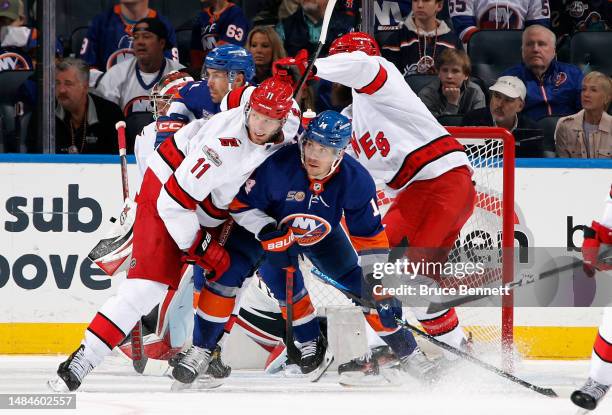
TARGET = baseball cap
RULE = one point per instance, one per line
(511, 86)
(155, 26)
(10, 9)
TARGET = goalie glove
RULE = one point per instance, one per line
(597, 241)
(278, 245)
(207, 253)
(166, 126)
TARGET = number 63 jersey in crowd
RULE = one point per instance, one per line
(395, 136)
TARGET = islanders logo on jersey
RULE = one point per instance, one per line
(123, 51)
(11, 61)
(307, 229)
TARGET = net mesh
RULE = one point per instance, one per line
(480, 236)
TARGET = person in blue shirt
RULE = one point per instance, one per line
(219, 23)
(553, 87)
(109, 37)
(294, 204)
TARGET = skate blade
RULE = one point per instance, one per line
(320, 371)
(58, 385)
(200, 384)
(293, 371)
(386, 378)
(583, 412)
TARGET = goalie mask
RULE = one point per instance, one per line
(166, 89)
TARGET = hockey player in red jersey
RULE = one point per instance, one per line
(402, 145)
(597, 254)
(173, 219)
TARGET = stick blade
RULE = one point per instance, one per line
(331, 5)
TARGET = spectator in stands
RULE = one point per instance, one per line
(15, 38)
(129, 83)
(218, 23)
(571, 16)
(110, 39)
(553, 87)
(418, 43)
(266, 47)
(301, 30)
(507, 101)
(453, 92)
(588, 133)
(84, 123)
(469, 16)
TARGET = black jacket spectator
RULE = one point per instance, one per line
(295, 31)
(414, 52)
(525, 129)
(96, 136)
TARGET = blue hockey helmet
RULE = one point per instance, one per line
(330, 129)
(232, 59)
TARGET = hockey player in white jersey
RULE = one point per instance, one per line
(402, 145)
(469, 16)
(207, 167)
(597, 255)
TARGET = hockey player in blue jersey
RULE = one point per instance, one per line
(225, 68)
(294, 204)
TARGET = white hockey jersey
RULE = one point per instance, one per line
(144, 145)
(394, 135)
(470, 15)
(219, 159)
(129, 88)
(606, 220)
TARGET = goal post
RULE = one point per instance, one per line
(491, 226)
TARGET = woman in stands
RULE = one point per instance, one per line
(588, 133)
(266, 47)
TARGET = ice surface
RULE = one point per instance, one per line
(114, 388)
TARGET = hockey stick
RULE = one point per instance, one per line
(139, 358)
(525, 280)
(329, 9)
(293, 354)
(362, 302)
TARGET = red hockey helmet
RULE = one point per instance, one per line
(355, 41)
(272, 98)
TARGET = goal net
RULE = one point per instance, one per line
(488, 232)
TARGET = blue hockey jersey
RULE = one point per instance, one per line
(109, 39)
(228, 25)
(280, 191)
(194, 102)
